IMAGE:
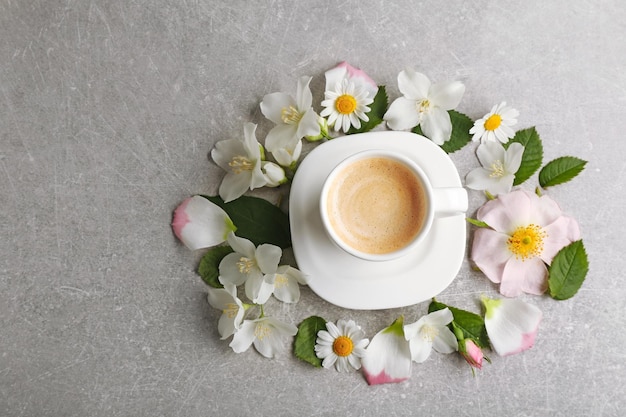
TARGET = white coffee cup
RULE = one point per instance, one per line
(378, 204)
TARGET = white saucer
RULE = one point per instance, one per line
(350, 282)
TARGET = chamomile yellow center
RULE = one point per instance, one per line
(527, 241)
(290, 115)
(345, 104)
(240, 163)
(493, 122)
(343, 346)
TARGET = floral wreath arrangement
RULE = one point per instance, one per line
(521, 239)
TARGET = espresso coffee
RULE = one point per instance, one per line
(376, 205)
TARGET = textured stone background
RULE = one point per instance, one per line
(108, 110)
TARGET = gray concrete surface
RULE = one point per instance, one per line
(108, 110)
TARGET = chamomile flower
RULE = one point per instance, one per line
(346, 104)
(341, 345)
(495, 125)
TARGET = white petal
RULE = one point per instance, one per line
(304, 98)
(402, 114)
(273, 104)
(199, 223)
(274, 174)
(234, 186)
(490, 152)
(242, 245)
(446, 341)
(513, 157)
(308, 125)
(439, 318)
(224, 151)
(413, 85)
(282, 136)
(479, 179)
(447, 95)
(420, 349)
(263, 290)
(250, 143)
(436, 125)
(229, 270)
(268, 257)
(243, 337)
(335, 76)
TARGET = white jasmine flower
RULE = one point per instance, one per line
(288, 157)
(266, 333)
(498, 169)
(225, 299)
(424, 104)
(241, 159)
(199, 223)
(274, 174)
(511, 324)
(294, 120)
(256, 267)
(495, 125)
(287, 283)
(431, 332)
(388, 356)
(342, 345)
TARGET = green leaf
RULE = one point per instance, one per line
(460, 136)
(560, 170)
(533, 153)
(257, 220)
(304, 342)
(568, 271)
(472, 325)
(377, 110)
(476, 222)
(208, 269)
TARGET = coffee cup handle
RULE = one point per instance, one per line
(450, 200)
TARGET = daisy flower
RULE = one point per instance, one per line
(525, 232)
(495, 125)
(342, 345)
(346, 105)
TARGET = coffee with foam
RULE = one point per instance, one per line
(376, 205)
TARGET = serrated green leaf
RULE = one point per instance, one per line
(472, 325)
(560, 170)
(568, 271)
(257, 220)
(533, 153)
(460, 136)
(304, 342)
(208, 269)
(377, 110)
(476, 222)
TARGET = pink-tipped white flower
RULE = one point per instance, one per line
(225, 299)
(241, 159)
(199, 223)
(431, 332)
(266, 333)
(526, 231)
(254, 266)
(511, 324)
(424, 104)
(388, 357)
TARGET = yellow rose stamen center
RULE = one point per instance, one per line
(290, 115)
(527, 241)
(345, 104)
(497, 169)
(231, 310)
(261, 331)
(343, 346)
(240, 163)
(493, 122)
(429, 333)
(245, 265)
